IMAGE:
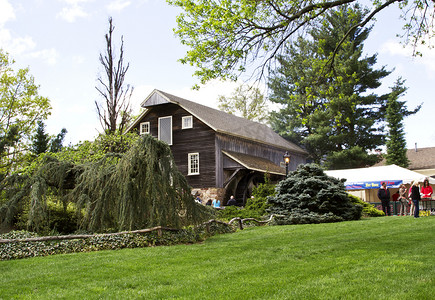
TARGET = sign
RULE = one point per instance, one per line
(366, 185)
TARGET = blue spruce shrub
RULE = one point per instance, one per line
(308, 195)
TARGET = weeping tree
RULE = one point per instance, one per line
(308, 195)
(139, 189)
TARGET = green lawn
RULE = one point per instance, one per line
(379, 258)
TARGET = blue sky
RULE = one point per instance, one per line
(60, 41)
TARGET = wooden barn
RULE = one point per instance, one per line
(220, 154)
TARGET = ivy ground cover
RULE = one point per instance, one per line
(378, 258)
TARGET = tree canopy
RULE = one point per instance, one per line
(21, 107)
(247, 102)
(335, 114)
(226, 37)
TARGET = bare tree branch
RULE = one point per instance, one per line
(114, 114)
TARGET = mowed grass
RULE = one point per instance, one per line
(379, 258)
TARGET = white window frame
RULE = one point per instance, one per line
(183, 125)
(190, 170)
(159, 137)
(142, 132)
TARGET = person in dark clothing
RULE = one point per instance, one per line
(384, 196)
(232, 201)
(416, 197)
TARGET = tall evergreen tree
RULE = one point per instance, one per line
(331, 111)
(396, 112)
(42, 142)
(41, 139)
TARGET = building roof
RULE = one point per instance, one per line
(255, 163)
(419, 159)
(221, 121)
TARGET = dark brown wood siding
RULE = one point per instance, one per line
(199, 139)
(237, 144)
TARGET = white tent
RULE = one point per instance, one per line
(364, 181)
(368, 178)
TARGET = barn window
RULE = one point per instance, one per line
(193, 164)
(165, 129)
(186, 122)
(144, 128)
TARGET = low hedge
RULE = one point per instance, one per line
(17, 250)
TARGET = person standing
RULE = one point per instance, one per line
(426, 194)
(415, 197)
(403, 200)
(384, 196)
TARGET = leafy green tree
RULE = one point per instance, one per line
(20, 109)
(247, 102)
(226, 38)
(308, 195)
(56, 143)
(396, 112)
(331, 112)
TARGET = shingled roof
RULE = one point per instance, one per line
(255, 163)
(221, 121)
(419, 158)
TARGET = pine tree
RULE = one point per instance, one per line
(41, 139)
(308, 195)
(396, 112)
(330, 109)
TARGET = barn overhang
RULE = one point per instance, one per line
(254, 163)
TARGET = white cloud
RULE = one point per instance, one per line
(48, 55)
(20, 45)
(394, 48)
(71, 13)
(15, 46)
(117, 5)
(6, 12)
(73, 10)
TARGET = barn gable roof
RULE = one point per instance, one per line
(221, 121)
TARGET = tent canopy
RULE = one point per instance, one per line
(371, 178)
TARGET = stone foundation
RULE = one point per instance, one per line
(209, 193)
